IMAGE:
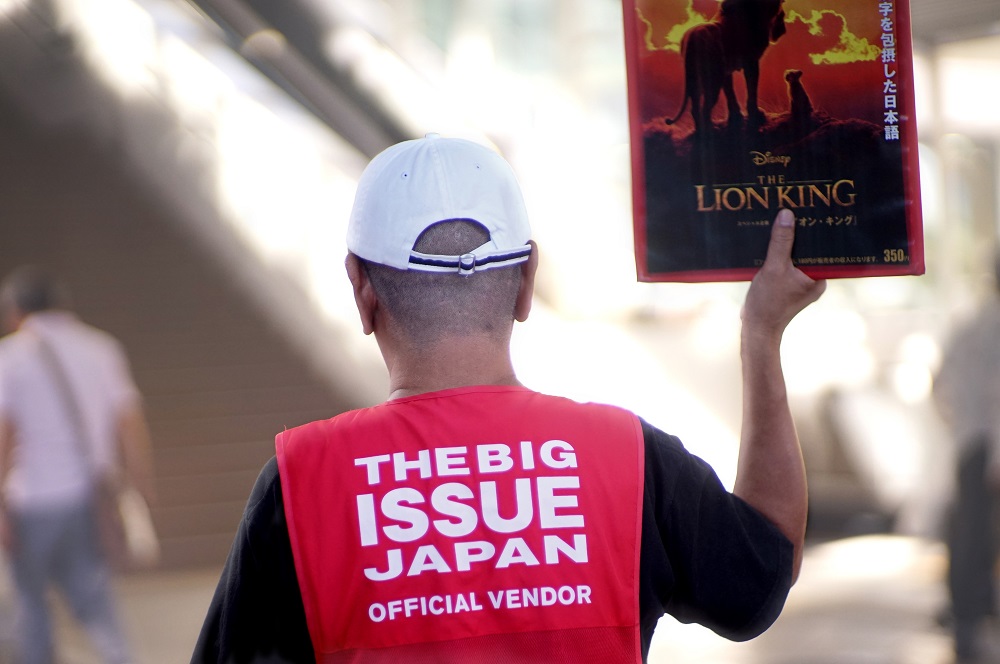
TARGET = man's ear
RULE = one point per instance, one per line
(364, 294)
(522, 306)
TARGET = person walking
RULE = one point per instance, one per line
(967, 394)
(471, 519)
(70, 418)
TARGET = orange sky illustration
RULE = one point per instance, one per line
(836, 44)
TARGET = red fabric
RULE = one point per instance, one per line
(489, 522)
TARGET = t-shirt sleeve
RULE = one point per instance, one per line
(256, 614)
(707, 556)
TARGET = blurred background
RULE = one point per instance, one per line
(187, 167)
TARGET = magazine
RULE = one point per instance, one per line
(739, 108)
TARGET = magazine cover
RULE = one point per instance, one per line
(739, 108)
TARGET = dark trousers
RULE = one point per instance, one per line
(972, 543)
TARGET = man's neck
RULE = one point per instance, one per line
(449, 364)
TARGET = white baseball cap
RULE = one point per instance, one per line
(416, 184)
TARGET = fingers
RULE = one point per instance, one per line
(779, 249)
(779, 291)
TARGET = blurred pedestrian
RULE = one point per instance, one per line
(967, 392)
(70, 419)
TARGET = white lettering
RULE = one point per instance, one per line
(462, 509)
(555, 544)
(565, 460)
(491, 507)
(376, 612)
(467, 553)
(392, 507)
(436, 610)
(494, 458)
(467, 516)
(435, 605)
(549, 502)
(461, 604)
(527, 455)
(457, 510)
(516, 551)
(474, 603)
(366, 519)
(451, 461)
(371, 463)
(395, 559)
(427, 558)
(402, 466)
(509, 598)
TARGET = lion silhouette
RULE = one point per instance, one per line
(734, 40)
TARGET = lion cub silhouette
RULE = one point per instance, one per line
(801, 105)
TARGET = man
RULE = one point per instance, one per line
(470, 519)
(67, 401)
(967, 393)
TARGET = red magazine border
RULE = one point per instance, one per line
(910, 162)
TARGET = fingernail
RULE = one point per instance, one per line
(786, 218)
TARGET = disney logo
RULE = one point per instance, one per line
(765, 158)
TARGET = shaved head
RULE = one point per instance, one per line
(429, 307)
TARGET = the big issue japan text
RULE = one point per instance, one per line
(454, 510)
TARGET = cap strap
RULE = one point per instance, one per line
(467, 264)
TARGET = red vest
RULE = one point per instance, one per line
(484, 524)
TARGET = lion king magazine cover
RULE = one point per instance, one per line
(739, 108)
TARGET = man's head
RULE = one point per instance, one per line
(440, 232)
(27, 290)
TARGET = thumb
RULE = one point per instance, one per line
(782, 237)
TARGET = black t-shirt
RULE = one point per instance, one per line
(707, 557)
